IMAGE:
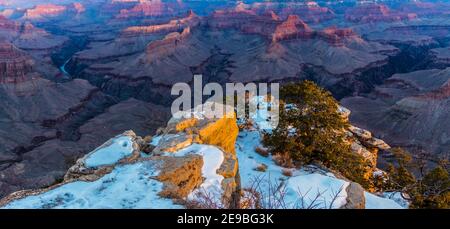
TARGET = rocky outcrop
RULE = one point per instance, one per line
(46, 10)
(8, 24)
(441, 56)
(363, 143)
(194, 164)
(301, 185)
(151, 9)
(270, 26)
(167, 46)
(426, 35)
(309, 12)
(118, 154)
(86, 170)
(292, 28)
(370, 13)
(200, 129)
(245, 21)
(267, 25)
(335, 36)
(180, 175)
(15, 65)
(32, 38)
(9, 29)
(191, 20)
(426, 9)
(355, 197)
(312, 12)
(185, 171)
(26, 36)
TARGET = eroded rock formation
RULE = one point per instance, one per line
(152, 8)
(369, 13)
(191, 20)
(405, 107)
(47, 10)
(15, 65)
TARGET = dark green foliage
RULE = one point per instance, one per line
(311, 130)
(433, 191)
(430, 191)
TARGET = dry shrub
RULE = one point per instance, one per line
(267, 193)
(250, 199)
(283, 160)
(261, 151)
(203, 200)
(261, 168)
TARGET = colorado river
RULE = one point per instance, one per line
(63, 67)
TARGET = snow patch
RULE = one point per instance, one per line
(110, 152)
(262, 116)
(316, 191)
(212, 160)
(126, 187)
(397, 197)
(376, 202)
(155, 140)
(303, 182)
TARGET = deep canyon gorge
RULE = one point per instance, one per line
(76, 73)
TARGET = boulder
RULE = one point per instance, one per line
(221, 132)
(200, 128)
(180, 175)
(360, 133)
(83, 171)
(378, 143)
(355, 197)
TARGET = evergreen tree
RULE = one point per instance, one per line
(312, 130)
(430, 191)
(433, 191)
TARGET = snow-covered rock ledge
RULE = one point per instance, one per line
(310, 187)
(193, 162)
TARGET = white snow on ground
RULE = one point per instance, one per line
(127, 186)
(155, 140)
(212, 160)
(262, 115)
(331, 190)
(111, 152)
(248, 159)
(303, 182)
(397, 197)
(307, 183)
(376, 202)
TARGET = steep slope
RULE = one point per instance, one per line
(229, 45)
(16, 65)
(54, 122)
(369, 13)
(409, 110)
(26, 36)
